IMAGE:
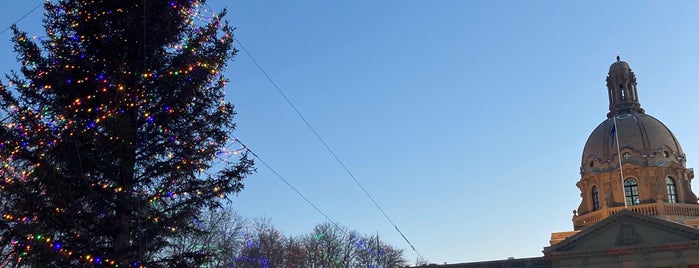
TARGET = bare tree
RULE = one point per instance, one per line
(258, 244)
(325, 246)
(331, 245)
(372, 252)
(263, 246)
(219, 231)
(295, 253)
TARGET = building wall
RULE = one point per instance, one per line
(538, 262)
(661, 258)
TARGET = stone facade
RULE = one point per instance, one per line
(628, 239)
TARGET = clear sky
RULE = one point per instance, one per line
(465, 120)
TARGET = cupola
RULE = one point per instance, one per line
(621, 85)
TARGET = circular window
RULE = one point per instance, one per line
(666, 153)
(627, 156)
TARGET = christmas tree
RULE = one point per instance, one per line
(111, 134)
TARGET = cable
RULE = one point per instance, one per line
(338, 226)
(327, 147)
(21, 18)
(286, 182)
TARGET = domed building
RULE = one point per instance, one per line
(652, 179)
(637, 209)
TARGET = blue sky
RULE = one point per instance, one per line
(465, 120)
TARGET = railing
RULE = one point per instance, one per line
(672, 210)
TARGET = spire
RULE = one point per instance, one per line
(621, 85)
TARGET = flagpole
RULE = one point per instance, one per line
(621, 166)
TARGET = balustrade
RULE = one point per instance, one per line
(654, 209)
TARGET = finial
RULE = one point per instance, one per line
(618, 58)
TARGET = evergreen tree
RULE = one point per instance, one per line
(110, 131)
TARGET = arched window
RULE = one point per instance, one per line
(621, 90)
(631, 192)
(671, 190)
(595, 198)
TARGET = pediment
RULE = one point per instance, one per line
(623, 230)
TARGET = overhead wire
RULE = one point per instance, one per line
(21, 18)
(340, 228)
(327, 147)
(334, 223)
(286, 182)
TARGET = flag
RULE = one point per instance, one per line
(612, 133)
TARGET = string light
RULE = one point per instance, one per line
(98, 99)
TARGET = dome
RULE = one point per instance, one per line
(644, 140)
(647, 140)
(619, 66)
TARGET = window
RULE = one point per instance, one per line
(666, 153)
(671, 190)
(631, 192)
(595, 198)
(627, 156)
(621, 90)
